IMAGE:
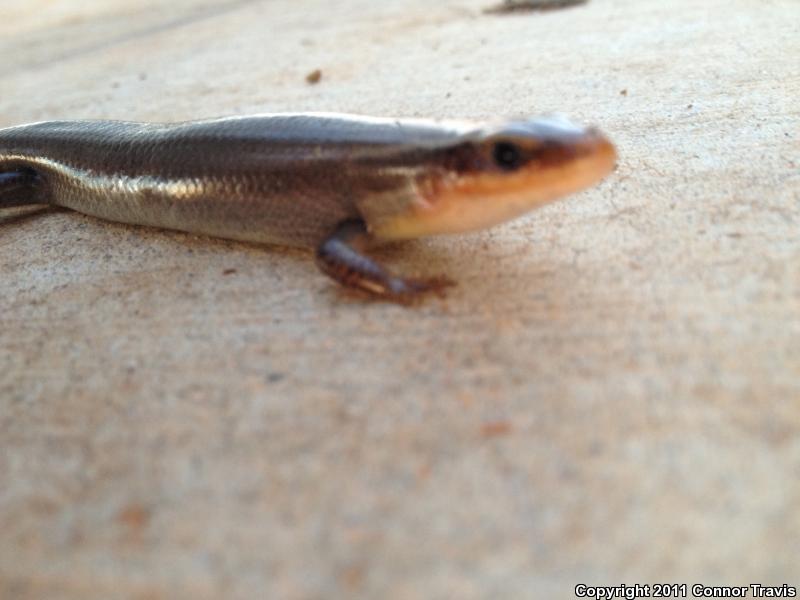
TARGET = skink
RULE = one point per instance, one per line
(330, 182)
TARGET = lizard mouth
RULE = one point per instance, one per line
(481, 199)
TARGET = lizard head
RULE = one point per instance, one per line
(498, 172)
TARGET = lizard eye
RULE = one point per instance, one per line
(506, 155)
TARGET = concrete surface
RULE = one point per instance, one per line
(610, 395)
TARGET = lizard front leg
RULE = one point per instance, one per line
(341, 257)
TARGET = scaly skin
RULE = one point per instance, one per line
(323, 181)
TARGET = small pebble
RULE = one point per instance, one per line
(314, 77)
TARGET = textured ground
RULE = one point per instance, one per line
(611, 394)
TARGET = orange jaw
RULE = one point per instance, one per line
(466, 202)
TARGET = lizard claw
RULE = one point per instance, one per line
(407, 289)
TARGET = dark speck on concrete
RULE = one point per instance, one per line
(314, 77)
(511, 6)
